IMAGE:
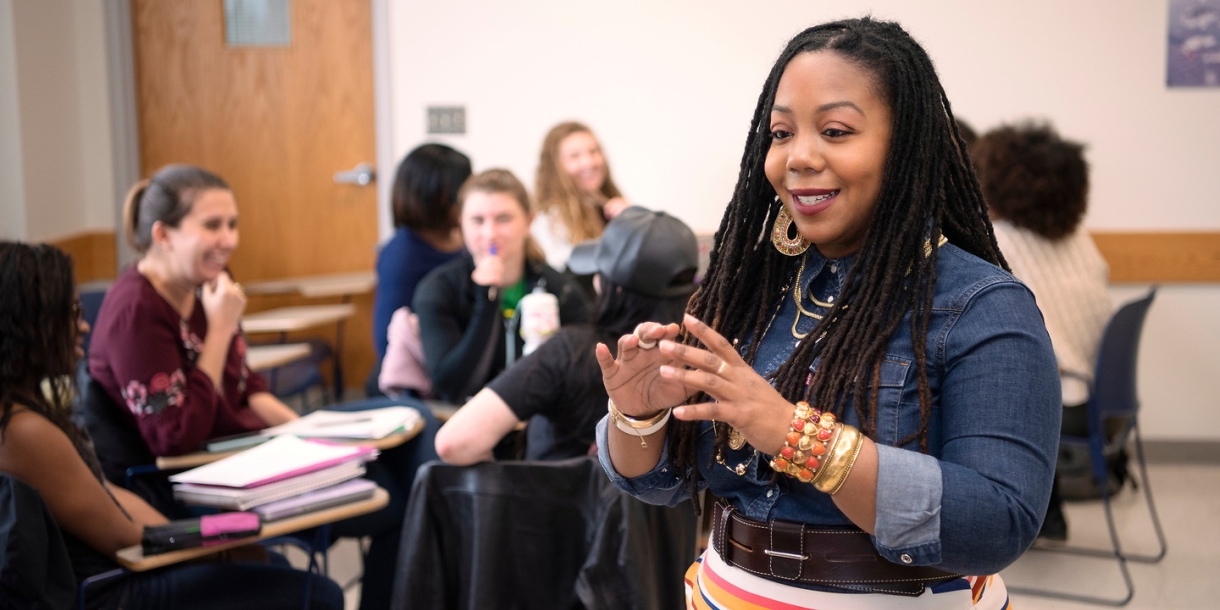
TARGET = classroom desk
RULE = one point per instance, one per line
(284, 320)
(262, 357)
(302, 317)
(199, 458)
(314, 286)
(133, 557)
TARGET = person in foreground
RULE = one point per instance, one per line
(645, 264)
(870, 384)
(40, 336)
(169, 348)
(1037, 190)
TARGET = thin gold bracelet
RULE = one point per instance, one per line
(635, 422)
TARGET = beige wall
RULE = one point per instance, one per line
(670, 86)
(65, 184)
(12, 192)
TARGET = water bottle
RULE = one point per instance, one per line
(539, 318)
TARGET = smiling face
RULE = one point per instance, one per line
(200, 246)
(497, 219)
(830, 135)
(580, 156)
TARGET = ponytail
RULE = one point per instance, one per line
(138, 240)
(165, 198)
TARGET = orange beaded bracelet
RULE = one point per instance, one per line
(805, 443)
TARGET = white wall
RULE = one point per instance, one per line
(61, 87)
(12, 191)
(669, 87)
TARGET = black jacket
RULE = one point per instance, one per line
(538, 535)
(459, 321)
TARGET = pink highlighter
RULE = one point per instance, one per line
(207, 530)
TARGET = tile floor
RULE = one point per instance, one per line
(1187, 499)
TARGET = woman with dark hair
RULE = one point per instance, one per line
(40, 336)
(168, 347)
(645, 264)
(426, 235)
(1036, 185)
(575, 192)
(869, 385)
(467, 308)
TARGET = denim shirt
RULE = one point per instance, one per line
(975, 501)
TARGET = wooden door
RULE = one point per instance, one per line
(276, 123)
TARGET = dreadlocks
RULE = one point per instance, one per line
(928, 184)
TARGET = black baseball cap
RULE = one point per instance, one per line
(643, 251)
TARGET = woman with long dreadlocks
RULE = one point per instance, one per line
(877, 407)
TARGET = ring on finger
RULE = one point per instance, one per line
(647, 344)
(723, 364)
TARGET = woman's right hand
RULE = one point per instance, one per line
(489, 271)
(633, 380)
(223, 303)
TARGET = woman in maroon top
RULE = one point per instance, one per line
(167, 343)
(167, 346)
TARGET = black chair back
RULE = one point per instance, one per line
(120, 447)
(35, 570)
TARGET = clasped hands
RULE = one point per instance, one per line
(653, 372)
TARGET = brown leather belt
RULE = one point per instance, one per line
(843, 558)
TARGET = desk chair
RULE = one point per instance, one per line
(295, 379)
(1113, 398)
(538, 535)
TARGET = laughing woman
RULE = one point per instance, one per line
(876, 384)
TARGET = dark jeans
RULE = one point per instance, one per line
(394, 471)
(238, 585)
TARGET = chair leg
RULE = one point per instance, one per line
(1156, 520)
(1116, 554)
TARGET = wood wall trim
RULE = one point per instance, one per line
(94, 254)
(1192, 257)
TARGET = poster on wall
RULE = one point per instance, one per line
(1194, 43)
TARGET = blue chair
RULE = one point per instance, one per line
(1113, 399)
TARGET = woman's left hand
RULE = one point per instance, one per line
(742, 398)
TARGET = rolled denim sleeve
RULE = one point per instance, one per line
(1001, 411)
(661, 485)
(908, 506)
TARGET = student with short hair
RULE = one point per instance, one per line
(645, 264)
(467, 308)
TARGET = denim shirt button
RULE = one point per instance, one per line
(770, 492)
(906, 558)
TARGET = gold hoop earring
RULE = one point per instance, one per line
(788, 246)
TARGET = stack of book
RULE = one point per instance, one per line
(282, 471)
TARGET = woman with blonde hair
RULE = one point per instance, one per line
(575, 193)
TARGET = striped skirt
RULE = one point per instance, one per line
(711, 584)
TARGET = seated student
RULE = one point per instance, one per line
(467, 308)
(167, 345)
(426, 236)
(1036, 186)
(645, 264)
(575, 192)
(40, 326)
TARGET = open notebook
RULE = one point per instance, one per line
(282, 457)
(368, 424)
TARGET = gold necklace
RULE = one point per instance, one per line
(800, 309)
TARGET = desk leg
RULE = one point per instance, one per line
(338, 362)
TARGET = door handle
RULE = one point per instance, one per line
(363, 174)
